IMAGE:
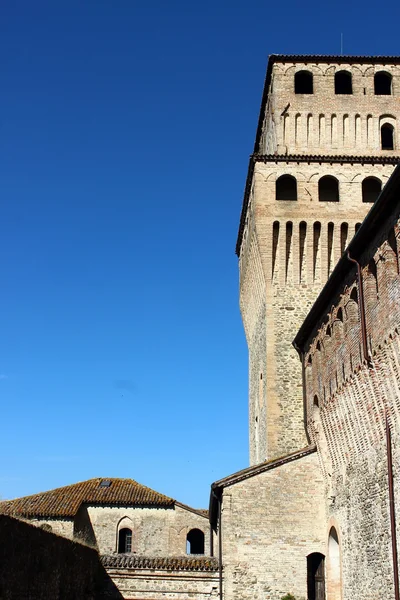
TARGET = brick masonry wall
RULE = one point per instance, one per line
(153, 584)
(289, 249)
(270, 523)
(325, 122)
(38, 565)
(284, 258)
(346, 400)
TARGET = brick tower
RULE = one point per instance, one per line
(326, 142)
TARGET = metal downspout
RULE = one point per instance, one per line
(362, 310)
(392, 509)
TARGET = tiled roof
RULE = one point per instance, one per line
(328, 58)
(177, 563)
(65, 501)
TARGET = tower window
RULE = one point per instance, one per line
(343, 83)
(303, 82)
(286, 188)
(125, 540)
(371, 188)
(195, 542)
(387, 137)
(383, 83)
(328, 189)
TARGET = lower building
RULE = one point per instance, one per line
(150, 545)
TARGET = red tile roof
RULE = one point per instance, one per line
(173, 563)
(65, 501)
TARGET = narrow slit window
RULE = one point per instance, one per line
(387, 137)
(125, 540)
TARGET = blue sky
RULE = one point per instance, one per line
(125, 131)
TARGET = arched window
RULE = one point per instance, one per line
(387, 141)
(125, 540)
(334, 567)
(371, 188)
(383, 83)
(316, 576)
(286, 188)
(343, 83)
(303, 82)
(328, 189)
(46, 527)
(195, 542)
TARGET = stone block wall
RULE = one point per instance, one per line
(270, 523)
(38, 565)
(348, 396)
(289, 249)
(155, 531)
(157, 579)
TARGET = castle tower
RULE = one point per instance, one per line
(327, 140)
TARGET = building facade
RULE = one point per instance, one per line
(149, 544)
(350, 349)
(326, 144)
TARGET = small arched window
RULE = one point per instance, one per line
(387, 141)
(383, 83)
(303, 82)
(371, 188)
(195, 542)
(328, 189)
(46, 527)
(343, 83)
(286, 188)
(124, 540)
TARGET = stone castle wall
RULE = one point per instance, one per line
(289, 249)
(270, 523)
(325, 122)
(347, 400)
(39, 565)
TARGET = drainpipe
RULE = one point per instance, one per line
(362, 311)
(392, 509)
(303, 375)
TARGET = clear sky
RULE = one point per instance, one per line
(125, 131)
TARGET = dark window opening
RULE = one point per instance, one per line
(371, 188)
(387, 137)
(383, 84)
(303, 82)
(46, 527)
(124, 541)
(316, 576)
(195, 542)
(328, 189)
(343, 83)
(286, 188)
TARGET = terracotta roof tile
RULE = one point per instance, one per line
(175, 563)
(65, 501)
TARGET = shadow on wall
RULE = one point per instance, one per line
(39, 565)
